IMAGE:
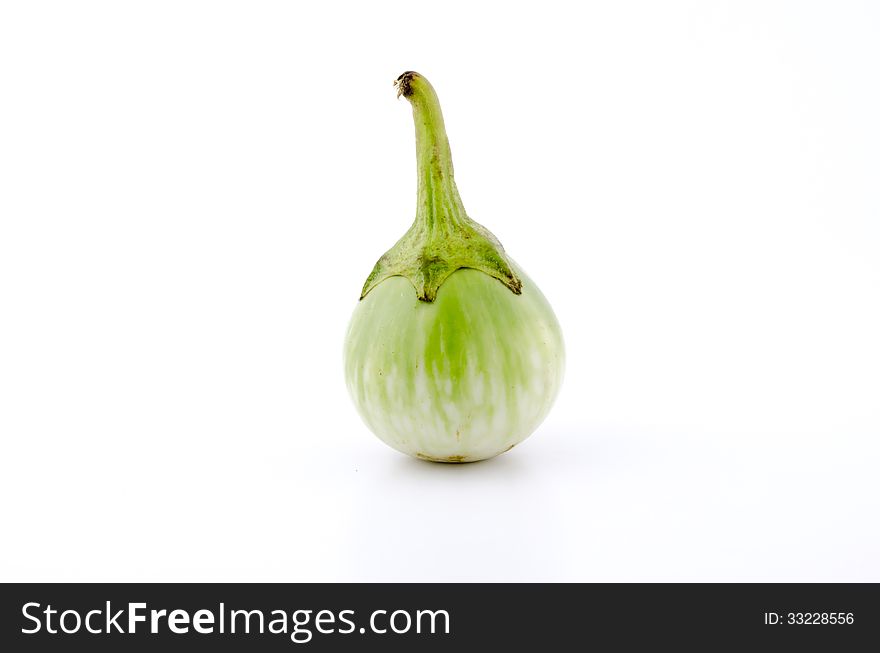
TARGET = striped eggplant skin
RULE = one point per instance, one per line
(460, 379)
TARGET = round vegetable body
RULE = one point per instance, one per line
(453, 354)
(459, 379)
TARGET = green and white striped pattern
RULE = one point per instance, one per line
(463, 378)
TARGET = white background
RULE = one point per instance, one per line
(192, 194)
